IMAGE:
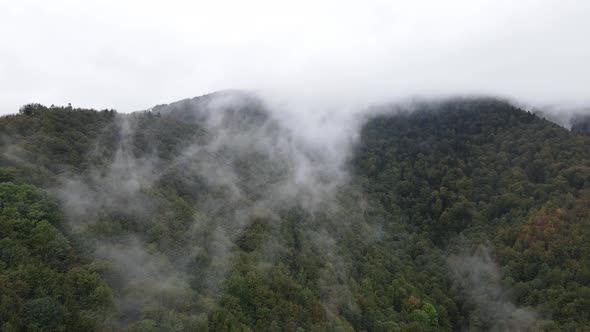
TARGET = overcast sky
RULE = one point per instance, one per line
(131, 55)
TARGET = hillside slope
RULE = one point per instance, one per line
(210, 214)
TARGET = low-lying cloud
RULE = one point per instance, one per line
(252, 162)
(476, 275)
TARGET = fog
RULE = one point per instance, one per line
(312, 72)
(248, 162)
(132, 55)
(477, 276)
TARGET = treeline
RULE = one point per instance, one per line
(426, 185)
(492, 173)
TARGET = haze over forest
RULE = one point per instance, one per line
(266, 166)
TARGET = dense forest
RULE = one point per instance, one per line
(210, 214)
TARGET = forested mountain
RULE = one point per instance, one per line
(213, 214)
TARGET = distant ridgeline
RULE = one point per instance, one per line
(208, 214)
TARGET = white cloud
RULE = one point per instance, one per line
(133, 54)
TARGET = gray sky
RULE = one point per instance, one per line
(131, 55)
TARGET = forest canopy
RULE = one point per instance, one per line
(464, 214)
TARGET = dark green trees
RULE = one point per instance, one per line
(145, 241)
(43, 287)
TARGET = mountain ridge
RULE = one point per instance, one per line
(209, 218)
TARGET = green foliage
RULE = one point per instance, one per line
(37, 264)
(44, 313)
(423, 183)
(488, 171)
(45, 141)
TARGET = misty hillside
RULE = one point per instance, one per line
(218, 213)
(581, 124)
